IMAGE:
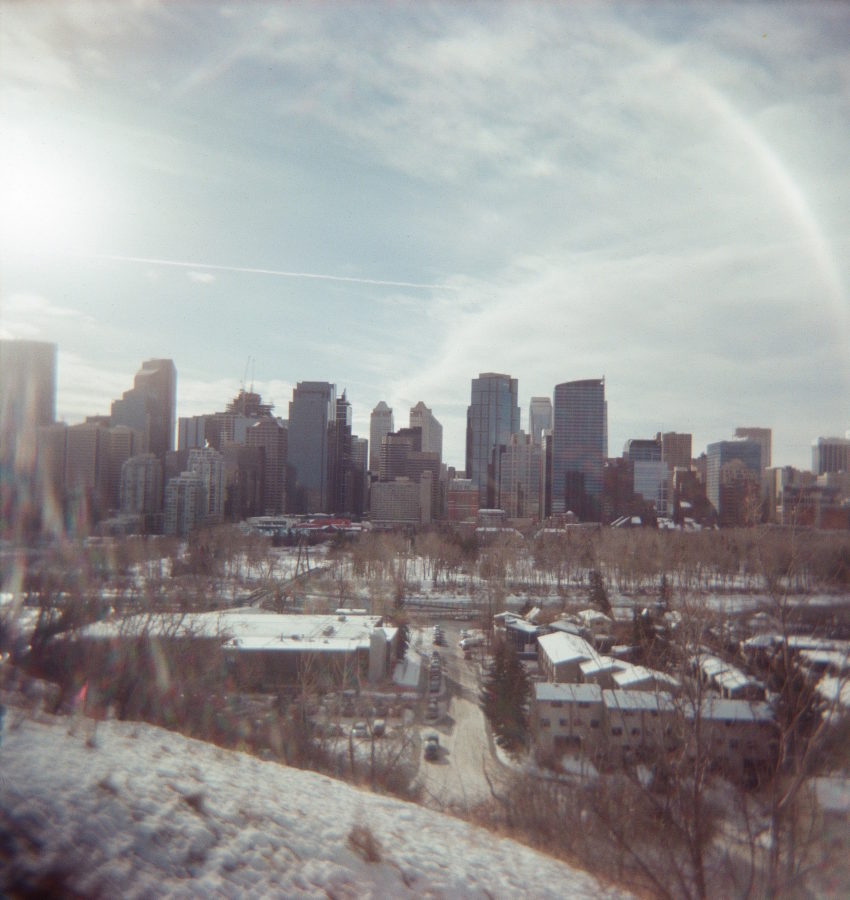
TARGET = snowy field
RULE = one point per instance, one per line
(135, 811)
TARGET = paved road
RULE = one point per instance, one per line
(457, 778)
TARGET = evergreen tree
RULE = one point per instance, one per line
(505, 695)
(598, 594)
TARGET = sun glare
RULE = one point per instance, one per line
(47, 203)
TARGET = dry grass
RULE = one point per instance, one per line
(364, 843)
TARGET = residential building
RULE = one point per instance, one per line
(567, 717)
(560, 656)
(269, 434)
(141, 490)
(185, 501)
(208, 465)
(86, 474)
(579, 447)
(520, 477)
(492, 417)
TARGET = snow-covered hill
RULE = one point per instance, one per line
(136, 811)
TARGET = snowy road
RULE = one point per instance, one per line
(457, 780)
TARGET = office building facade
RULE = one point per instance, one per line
(492, 417)
(432, 431)
(312, 411)
(380, 423)
(579, 447)
(539, 418)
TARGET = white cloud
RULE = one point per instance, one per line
(201, 277)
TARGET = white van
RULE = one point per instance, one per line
(468, 643)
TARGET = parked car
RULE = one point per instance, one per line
(359, 730)
(468, 643)
(432, 747)
(379, 727)
(433, 711)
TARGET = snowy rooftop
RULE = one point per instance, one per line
(251, 630)
(546, 691)
(135, 811)
(593, 667)
(562, 647)
(637, 700)
(633, 675)
(735, 710)
(723, 673)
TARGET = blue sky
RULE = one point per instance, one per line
(653, 193)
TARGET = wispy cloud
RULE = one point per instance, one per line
(201, 277)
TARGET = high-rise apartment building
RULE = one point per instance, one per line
(432, 431)
(184, 503)
(150, 406)
(141, 489)
(492, 417)
(208, 465)
(270, 435)
(311, 410)
(579, 447)
(380, 423)
(86, 474)
(539, 418)
(521, 469)
(831, 454)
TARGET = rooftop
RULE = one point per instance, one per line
(546, 691)
(249, 630)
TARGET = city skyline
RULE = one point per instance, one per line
(396, 199)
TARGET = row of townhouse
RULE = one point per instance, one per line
(621, 725)
(569, 658)
(607, 707)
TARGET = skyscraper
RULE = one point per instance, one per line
(492, 417)
(27, 390)
(676, 449)
(763, 437)
(270, 435)
(520, 489)
(27, 403)
(539, 418)
(831, 454)
(579, 447)
(432, 430)
(311, 410)
(150, 406)
(380, 423)
(719, 455)
(340, 474)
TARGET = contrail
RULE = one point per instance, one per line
(275, 272)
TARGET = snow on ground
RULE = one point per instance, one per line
(135, 811)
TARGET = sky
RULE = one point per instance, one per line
(396, 197)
